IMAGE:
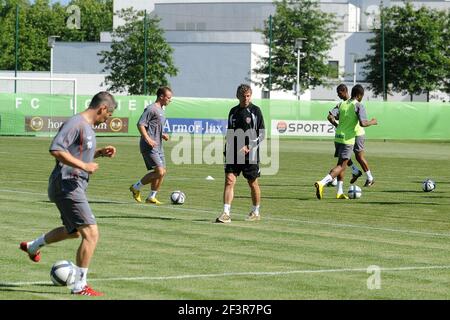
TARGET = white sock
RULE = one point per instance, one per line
(80, 279)
(340, 187)
(138, 185)
(355, 169)
(227, 208)
(153, 194)
(328, 178)
(369, 175)
(255, 209)
(34, 245)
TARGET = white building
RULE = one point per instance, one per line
(216, 46)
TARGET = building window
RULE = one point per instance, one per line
(333, 69)
(201, 26)
(180, 26)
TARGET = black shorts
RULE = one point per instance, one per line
(249, 171)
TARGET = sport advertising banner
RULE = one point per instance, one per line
(40, 114)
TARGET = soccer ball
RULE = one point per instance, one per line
(354, 192)
(63, 273)
(428, 185)
(177, 197)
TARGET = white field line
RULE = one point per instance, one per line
(235, 274)
(331, 224)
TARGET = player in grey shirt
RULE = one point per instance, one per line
(74, 148)
(150, 126)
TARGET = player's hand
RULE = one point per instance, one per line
(165, 136)
(374, 121)
(152, 143)
(90, 167)
(109, 151)
(245, 150)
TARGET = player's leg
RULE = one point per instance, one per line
(90, 236)
(156, 179)
(344, 153)
(340, 170)
(319, 185)
(153, 161)
(360, 157)
(55, 235)
(231, 173)
(251, 172)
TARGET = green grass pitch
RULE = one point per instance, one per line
(302, 248)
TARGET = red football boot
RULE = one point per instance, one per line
(35, 257)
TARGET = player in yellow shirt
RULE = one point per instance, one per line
(349, 113)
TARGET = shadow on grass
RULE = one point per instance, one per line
(437, 182)
(11, 287)
(401, 191)
(136, 217)
(94, 202)
(275, 198)
(278, 185)
(397, 202)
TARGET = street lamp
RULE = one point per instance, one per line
(355, 57)
(51, 44)
(299, 47)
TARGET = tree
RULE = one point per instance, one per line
(125, 61)
(41, 19)
(297, 19)
(416, 51)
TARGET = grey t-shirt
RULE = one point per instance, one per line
(153, 119)
(77, 137)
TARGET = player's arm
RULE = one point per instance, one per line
(368, 123)
(260, 130)
(108, 151)
(362, 116)
(143, 131)
(141, 126)
(333, 116)
(332, 120)
(229, 136)
(66, 158)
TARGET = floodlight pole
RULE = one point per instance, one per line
(355, 57)
(383, 70)
(16, 52)
(270, 54)
(298, 46)
(51, 44)
(145, 51)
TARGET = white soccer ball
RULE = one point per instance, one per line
(354, 192)
(428, 185)
(177, 197)
(63, 273)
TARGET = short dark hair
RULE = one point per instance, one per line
(103, 98)
(357, 90)
(242, 89)
(341, 87)
(162, 91)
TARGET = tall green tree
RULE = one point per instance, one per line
(125, 61)
(41, 19)
(416, 51)
(298, 19)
